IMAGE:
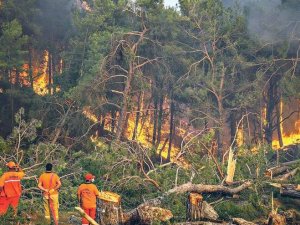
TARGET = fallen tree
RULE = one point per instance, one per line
(203, 223)
(145, 214)
(290, 190)
(281, 168)
(205, 188)
(241, 221)
(287, 175)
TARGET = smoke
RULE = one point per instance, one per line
(270, 20)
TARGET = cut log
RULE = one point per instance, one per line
(289, 190)
(83, 214)
(203, 223)
(241, 221)
(146, 214)
(289, 163)
(274, 171)
(287, 175)
(203, 188)
(290, 193)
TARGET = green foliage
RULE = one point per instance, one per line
(204, 60)
(12, 42)
(247, 209)
(24, 130)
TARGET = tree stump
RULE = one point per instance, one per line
(108, 213)
(276, 219)
(198, 209)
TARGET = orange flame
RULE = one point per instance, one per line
(290, 139)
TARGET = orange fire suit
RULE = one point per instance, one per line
(49, 180)
(11, 190)
(87, 195)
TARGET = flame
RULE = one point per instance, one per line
(41, 78)
(289, 139)
(240, 137)
(22, 77)
(40, 74)
(143, 134)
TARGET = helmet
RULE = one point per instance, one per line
(11, 165)
(89, 176)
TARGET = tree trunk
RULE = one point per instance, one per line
(172, 125)
(203, 188)
(30, 67)
(290, 193)
(160, 119)
(276, 219)
(271, 101)
(241, 221)
(233, 129)
(220, 131)
(288, 175)
(278, 125)
(50, 72)
(126, 96)
(137, 117)
(101, 125)
(197, 209)
(17, 80)
(146, 214)
(230, 167)
(113, 121)
(271, 172)
(155, 120)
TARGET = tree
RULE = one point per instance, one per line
(12, 51)
(217, 77)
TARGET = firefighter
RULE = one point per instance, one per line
(49, 183)
(87, 196)
(10, 188)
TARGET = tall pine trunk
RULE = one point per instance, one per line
(160, 120)
(172, 126)
(137, 117)
(272, 100)
(30, 67)
(220, 131)
(50, 72)
(155, 120)
(124, 107)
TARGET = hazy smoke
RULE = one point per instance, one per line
(270, 20)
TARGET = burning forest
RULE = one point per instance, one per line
(178, 115)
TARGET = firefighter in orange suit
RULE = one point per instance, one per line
(10, 188)
(49, 183)
(87, 196)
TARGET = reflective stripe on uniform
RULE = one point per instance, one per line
(11, 181)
